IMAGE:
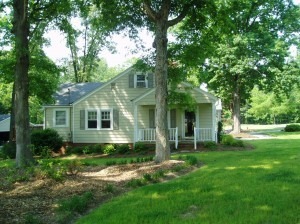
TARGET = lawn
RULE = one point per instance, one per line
(255, 186)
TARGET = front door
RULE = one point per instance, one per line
(189, 123)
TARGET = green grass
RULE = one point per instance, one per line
(256, 186)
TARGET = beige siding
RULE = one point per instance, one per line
(120, 98)
(205, 115)
(64, 132)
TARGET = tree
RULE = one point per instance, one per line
(21, 31)
(244, 43)
(157, 16)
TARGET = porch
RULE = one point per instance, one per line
(200, 135)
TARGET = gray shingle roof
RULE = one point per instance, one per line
(71, 92)
(4, 116)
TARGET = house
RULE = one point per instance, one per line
(122, 110)
(4, 127)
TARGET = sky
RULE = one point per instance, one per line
(124, 47)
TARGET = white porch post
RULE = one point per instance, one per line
(213, 129)
(135, 125)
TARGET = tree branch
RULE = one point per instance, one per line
(149, 11)
(181, 16)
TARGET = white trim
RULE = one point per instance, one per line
(145, 80)
(144, 95)
(66, 118)
(135, 125)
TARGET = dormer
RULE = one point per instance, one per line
(141, 80)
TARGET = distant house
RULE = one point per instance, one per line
(122, 110)
(4, 127)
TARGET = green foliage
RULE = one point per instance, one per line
(56, 170)
(210, 144)
(220, 131)
(140, 146)
(229, 140)
(75, 204)
(8, 151)
(292, 128)
(135, 183)
(109, 149)
(109, 188)
(122, 149)
(46, 138)
(191, 160)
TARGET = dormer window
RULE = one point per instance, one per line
(141, 81)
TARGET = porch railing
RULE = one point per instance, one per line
(203, 134)
(148, 135)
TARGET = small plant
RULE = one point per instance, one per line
(292, 128)
(97, 148)
(135, 183)
(191, 160)
(159, 174)
(122, 162)
(210, 144)
(111, 163)
(32, 219)
(73, 167)
(76, 203)
(8, 150)
(109, 188)
(123, 148)
(140, 146)
(147, 177)
(109, 149)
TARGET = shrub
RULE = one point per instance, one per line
(109, 149)
(292, 128)
(123, 148)
(220, 131)
(46, 138)
(76, 203)
(139, 146)
(191, 160)
(229, 140)
(8, 150)
(97, 148)
(75, 150)
(210, 144)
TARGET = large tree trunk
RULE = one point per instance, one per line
(236, 110)
(12, 127)
(21, 30)
(161, 75)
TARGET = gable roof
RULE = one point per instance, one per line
(69, 93)
(4, 117)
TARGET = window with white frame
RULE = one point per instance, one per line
(141, 81)
(99, 119)
(60, 118)
(106, 122)
(92, 119)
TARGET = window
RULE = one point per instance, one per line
(141, 81)
(92, 120)
(99, 119)
(106, 119)
(60, 118)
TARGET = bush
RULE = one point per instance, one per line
(191, 160)
(220, 131)
(109, 149)
(76, 203)
(229, 140)
(46, 138)
(210, 144)
(292, 128)
(122, 149)
(8, 151)
(139, 146)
